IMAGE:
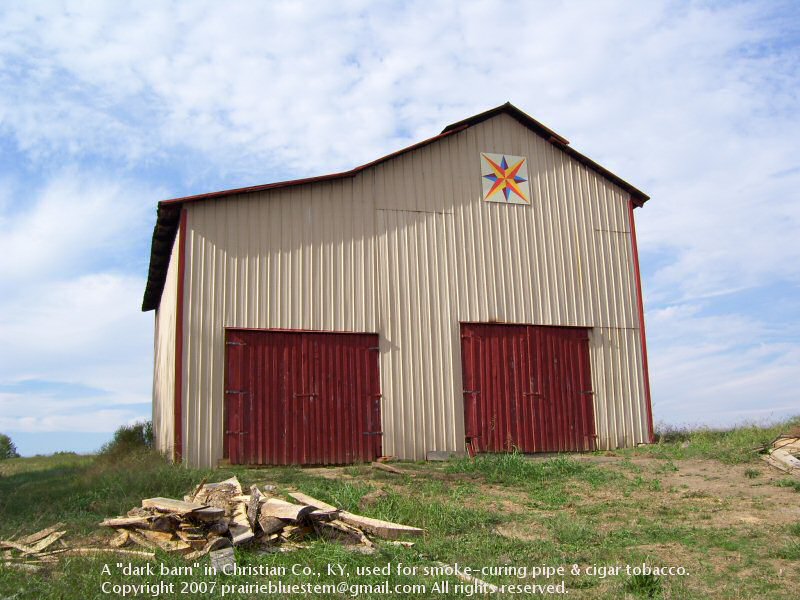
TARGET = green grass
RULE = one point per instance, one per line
(789, 483)
(491, 511)
(732, 446)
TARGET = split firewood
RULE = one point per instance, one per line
(383, 529)
(197, 489)
(207, 514)
(27, 567)
(269, 524)
(252, 506)
(170, 505)
(93, 551)
(240, 529)
(787, 459)
(276, 507)
(141, 540)
(39, 535)
(222, 560)
(120, 540)
(339, 529)
(156, 536)
(168, 523)
(127, 522)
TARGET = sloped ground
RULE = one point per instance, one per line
(731, 521)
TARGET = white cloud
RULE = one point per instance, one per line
(695, 103)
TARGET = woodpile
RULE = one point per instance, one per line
(215, 517)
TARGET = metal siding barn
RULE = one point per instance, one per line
(408, 249)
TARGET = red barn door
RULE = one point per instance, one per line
(301, 397)
(527, 387)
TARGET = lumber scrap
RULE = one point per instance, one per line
(281, 509)
(787, 459)
(39, 535)
(16, 546)
(774, 462)
(50, 539)
(339, 529)
(388, 468)
(309, 501)
(170, 505)
(383, 529)
(120, 551)
(270, 524)
(126, 522)
(208, 514)
(138, 538)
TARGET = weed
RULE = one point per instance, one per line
(751, 473)
(789, 483)
(129, 438)
(646, 586)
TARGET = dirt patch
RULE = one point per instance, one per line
(530, 531)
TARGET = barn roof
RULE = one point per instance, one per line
(168, 213)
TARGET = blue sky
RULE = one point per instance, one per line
(108, 107)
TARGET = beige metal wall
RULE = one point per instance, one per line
(409, 250)
(164, 353)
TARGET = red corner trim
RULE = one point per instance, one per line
(178, 409)
(640, 303)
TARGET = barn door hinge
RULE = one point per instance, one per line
(235, 344)
(236, 392)
(372, 433)
(532, 394)
(587, 392)
(374, 349)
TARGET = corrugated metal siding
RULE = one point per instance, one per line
(408, 249)
(164, 359)
(302, 398)
(301, 258)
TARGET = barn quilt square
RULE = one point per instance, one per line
(505, 178)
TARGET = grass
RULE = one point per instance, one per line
(494, 511)
(731, 446)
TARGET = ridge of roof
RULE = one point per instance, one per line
(168, 211)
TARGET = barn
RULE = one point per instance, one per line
(478, 291)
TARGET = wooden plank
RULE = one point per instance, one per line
(40, 535)
(156, 536)
(774, 462)
(308, 500)
(170, 505)
(787, 459)
(50, 539)
(16, 546)
(388, 468)
(337, 526)
(275, 507)
(383, 529)
(141, 540)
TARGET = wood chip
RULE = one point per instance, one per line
(383, 529)
(119, 551)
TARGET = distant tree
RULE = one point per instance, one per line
(7, 447)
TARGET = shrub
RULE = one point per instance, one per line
(130, 439)
(7, 447)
